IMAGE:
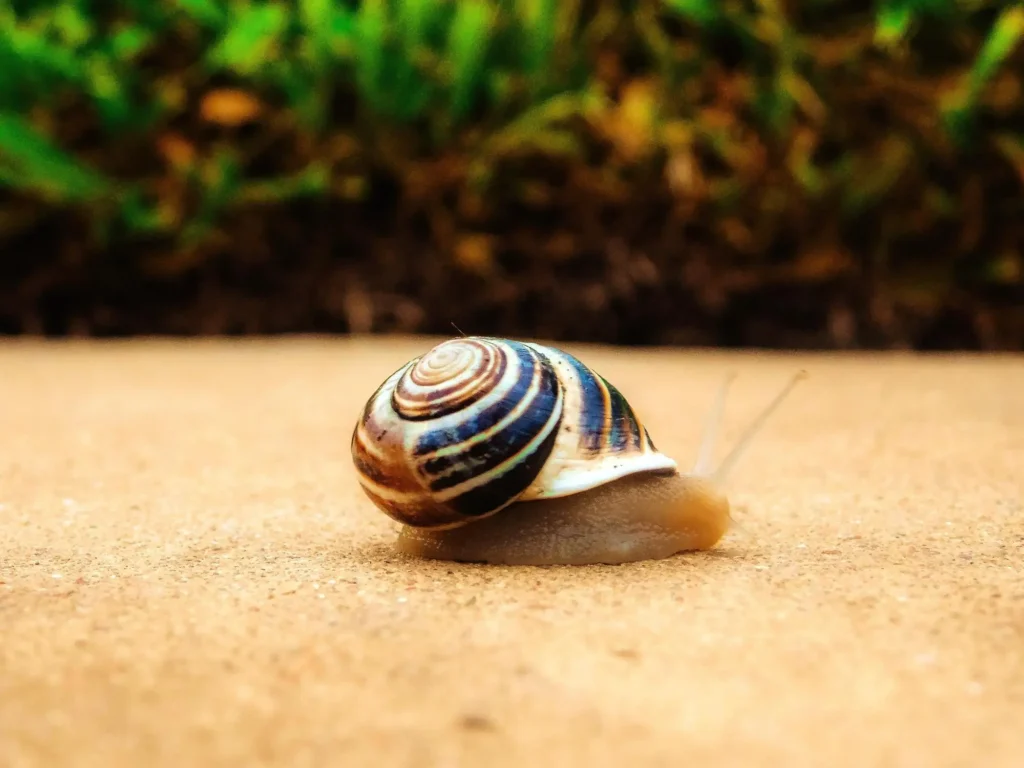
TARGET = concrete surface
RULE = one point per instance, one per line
(189, 575)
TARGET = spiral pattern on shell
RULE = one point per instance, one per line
(449, 378)
(478, 423)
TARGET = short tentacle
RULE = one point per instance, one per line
(721, 473)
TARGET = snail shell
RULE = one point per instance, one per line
(476, 424)
(479, 426)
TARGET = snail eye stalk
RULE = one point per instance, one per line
(713, 424)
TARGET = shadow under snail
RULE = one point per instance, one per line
(501, 451)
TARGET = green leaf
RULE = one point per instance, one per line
(251, 38)
(371, 25)
(540, 19)
(207, 13)
(141, 217)
(310, 181)
(958, 107)
(34, 52)
(538, 126)
(892, 22)
(31, 162)
(127, 43)
(412, 90)
(317, 18)
(316, 15)
(342, 29)
(467, 47)
(108, 91)
(698, 11)
(1006, 34)
(75, 30)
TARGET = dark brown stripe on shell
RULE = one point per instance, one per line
(504, 489)
(418, 514)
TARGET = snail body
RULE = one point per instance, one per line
(503, 451)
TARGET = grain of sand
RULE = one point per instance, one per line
(191, 577)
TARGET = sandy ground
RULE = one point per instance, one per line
(191, 577)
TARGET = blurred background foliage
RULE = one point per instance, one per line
(825, 173)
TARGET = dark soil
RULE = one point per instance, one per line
(639, 270)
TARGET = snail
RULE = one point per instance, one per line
(500, 451)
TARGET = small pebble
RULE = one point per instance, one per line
(475, 722)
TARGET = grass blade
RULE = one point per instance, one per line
(31, 162)
(540, 20)
(207, 13)
(251, 38)
(959, 106)
(1006, 34)
(467, 48)
(371, 36)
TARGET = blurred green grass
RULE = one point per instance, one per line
(520, 67)
(162, 119)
